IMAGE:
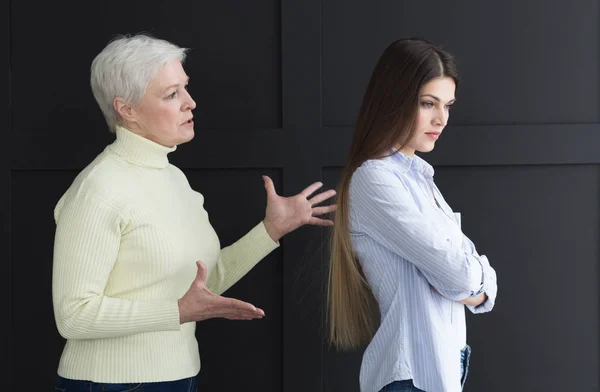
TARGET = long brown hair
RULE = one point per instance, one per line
(386, 119)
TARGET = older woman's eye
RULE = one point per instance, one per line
(172, 95)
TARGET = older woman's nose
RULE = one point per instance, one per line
(189, 103)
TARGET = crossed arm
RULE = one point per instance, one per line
(390, 216)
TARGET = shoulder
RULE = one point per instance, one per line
(376, 165)
(380, 179)
(374, 170)
(178, 174)
(102, 184)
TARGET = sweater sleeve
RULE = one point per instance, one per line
(238, 259)
(86, 245)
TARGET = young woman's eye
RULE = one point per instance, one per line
(427, 105)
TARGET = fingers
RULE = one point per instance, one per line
(244, 315)
(269, 186)
(235, 317)
(241, 309)
(311, 189)
(320, 222)
(322, 197)
(323, 210)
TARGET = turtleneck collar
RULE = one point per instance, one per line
(139, 150)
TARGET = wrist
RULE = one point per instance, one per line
(182, 312)
(476, 301)
(272, 230)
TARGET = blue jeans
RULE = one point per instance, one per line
(184, 385)
(408, 386)
(401, 386)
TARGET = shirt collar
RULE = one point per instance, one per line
(415, 162)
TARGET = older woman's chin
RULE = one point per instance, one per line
(186, 134)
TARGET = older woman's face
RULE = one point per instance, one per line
(165, 112)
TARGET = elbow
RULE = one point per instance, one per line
(61, 317)
(70, 321)
(65, 332)
(69, 327)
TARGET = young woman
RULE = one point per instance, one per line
(402, 271)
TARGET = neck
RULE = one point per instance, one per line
(140, 150)
(406, 150)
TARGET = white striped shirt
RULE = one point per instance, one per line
(408, 240)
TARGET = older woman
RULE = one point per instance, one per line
(136, 260)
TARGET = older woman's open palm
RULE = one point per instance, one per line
(286, 214)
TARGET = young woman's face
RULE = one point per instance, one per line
(435, 100)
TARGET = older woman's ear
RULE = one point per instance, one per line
(125, 110)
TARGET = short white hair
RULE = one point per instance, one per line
(125, 67)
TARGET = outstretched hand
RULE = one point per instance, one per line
(286, 214)
(199, 303)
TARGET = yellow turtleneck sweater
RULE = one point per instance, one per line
(129, 231)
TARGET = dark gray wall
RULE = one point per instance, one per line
(5, 213)
(278, 86)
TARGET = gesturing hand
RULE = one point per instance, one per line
(286, 214)
(199, 303)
